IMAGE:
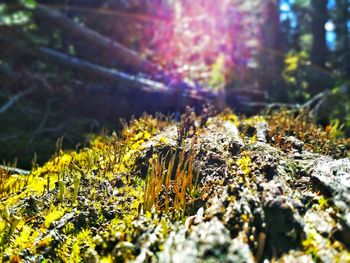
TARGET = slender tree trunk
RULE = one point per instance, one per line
(272, 41)
(319, 19)
(342, 42)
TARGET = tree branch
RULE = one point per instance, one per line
(14, 99)
(87, 68)
(14, 170)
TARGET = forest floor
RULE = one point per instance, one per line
(210, 188)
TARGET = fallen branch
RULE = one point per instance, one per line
(314, 104)
(85, 67)
(97, 70)
(45, 117)
(43, 121)
(311, 106)
(56, 129)
(14, 170)
(14, 99)
(117, 50)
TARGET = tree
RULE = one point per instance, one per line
(272, 50)
(341, 19)
(319, 15)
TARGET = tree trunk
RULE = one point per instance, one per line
(319, 19)
(272, 55)
(342, 42)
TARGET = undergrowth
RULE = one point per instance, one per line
(328, 141)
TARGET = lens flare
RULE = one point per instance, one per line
(202, 40)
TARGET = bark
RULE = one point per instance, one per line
(272, 42)
(342, 42)
(319, 19)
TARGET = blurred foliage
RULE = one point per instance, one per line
(295, 74)
(266, 45)
(337, 110)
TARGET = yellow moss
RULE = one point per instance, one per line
(69, 251)
(142, 128)
(315, 245)
(244, 164)
(36, 182)
(254, 120)
(45, 242)
(64, 250)
(105, 158)
(3, 226)
(323, 202)
(13, 183)
(230, 116)
(55, 213)
(23, 240)
(97, 144)
(55, 165)
(163, 140)
(310, 242)
(36, 185)
(285, 123)
(253, 139)
(291, 62)
(107, 259)
(230, 162)
(68, 228)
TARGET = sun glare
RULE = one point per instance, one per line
(197, 43)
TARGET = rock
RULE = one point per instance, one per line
(207, 242)
(106, 187)
(332, 178)
(295, 143)
(342, 232)
(296, 257)
(321, 220)
(262, 132)
(284, 230)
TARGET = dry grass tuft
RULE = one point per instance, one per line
(170, 176)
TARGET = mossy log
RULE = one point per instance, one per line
(262, 188)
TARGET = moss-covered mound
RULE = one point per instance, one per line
(209, 188)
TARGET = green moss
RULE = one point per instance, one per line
(54, 213)
(72, 250)
(321, 248)
(311, 245)
(24, 239)
(323, 202)
(244, 164)
(327, 141)
(97, 203)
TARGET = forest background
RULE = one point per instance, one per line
(71, 68)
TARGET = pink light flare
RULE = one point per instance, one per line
(202, 41)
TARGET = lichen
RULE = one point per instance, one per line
(128, 196)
